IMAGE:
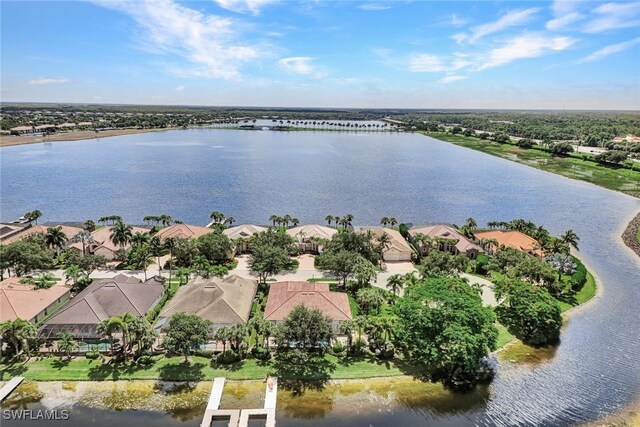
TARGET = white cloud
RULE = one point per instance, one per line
(39, 82)
(455, 21)
(179, 88)
(524, 46)
(510, 19)
(452, 78)
(563, 21)
(610, 50)
(301, 65)
(244, 6)
(614, 16)
(427, 63)
(209, 43)
(374, 6)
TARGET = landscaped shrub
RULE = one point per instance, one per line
(261, 353)
(92, 355)
(481, 264)
(204, 353)
(358, 346)
(337, 348)
(579, 278)
(145, 360)
(404, 230)
(228, 357)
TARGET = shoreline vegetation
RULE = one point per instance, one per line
(572, 165)
(81, 135)
(631, 235)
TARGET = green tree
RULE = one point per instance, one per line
(56, 239)
(529, 312)
(370, 300)
(536, 272)
(121, 234)
(85, 238)
(569, 237)
(215, 247)
(26, 255)
(395, 283)
(89, 226)
(443, 325)
(19, 334)
(66, 343)
(185, 333)
(440, 263)
(304, 329)
(267, 261)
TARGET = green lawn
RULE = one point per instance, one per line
(173, 369)
(504, 337)
(573, 166)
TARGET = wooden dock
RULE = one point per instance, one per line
(9, 387)
(237, 417)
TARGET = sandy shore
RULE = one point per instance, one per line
(6, 141)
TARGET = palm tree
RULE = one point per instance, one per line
(66, 343)
(384, 242)
(267, 330)
(329, 219)
(19, 332)
(384, 221)
(85, 238)
(141, 334)
(410, 279)
(142, 257)
(166, 219)
(33, 216)
(349, 218)
(157, 249)
(360, 323)
(347, 327)
(295, 222)
(274, 219)
(139, 239)
(222, 334)
(104, 328)
(395, 283)
(170, 244)
(121, 234)
(89, 226)
(73, 272)
(229, 220)
(569, 237)
(286, 220)
(55, 239)
(471, 224)
(393, 221)
(217, 217)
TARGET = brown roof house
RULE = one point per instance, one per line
(307, 236)
(183, 231)
(241, 235)
(224, 302)
(512, 239)
(101, 300)
(24, 301)
(284, 296)
(68, 231)
(103, 244)
(447, 239)
(398, 249)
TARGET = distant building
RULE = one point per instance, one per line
(241, 234)
(512, 239)
(398, 249)
(308, 235)
(447, 239)
(24, 301)
(183, 231)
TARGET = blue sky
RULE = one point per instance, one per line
(400, 54)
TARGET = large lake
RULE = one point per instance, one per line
(253, 174)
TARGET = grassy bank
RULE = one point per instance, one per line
(200, 368)
(572, 166)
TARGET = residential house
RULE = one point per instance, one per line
(101, 300)
(224, 302)
(103, 245)
(308, 236)
(241, 234)
(69, 232)
(183, 231)
(398, 249)
(285, 296)
(512, 239)
(24, 301)
(446, 238)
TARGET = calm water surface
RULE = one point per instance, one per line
(253, 174)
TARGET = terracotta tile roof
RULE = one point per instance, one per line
(23, 301)
(102, 236)
(513, 239)
(110, 297)
(226, 301)
(243, 231)
(68, 231)
(447, 232)
(183, 231)
(284, 296)
(310, 231)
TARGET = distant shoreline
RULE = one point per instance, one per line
(8, 141)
